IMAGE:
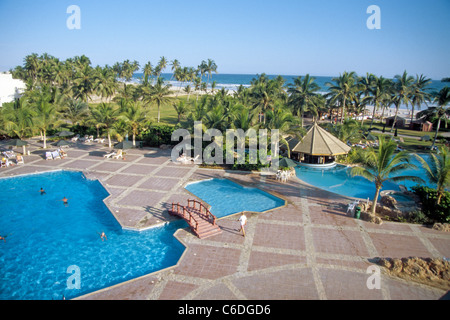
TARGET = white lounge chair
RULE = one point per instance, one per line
(118, 155)
(19, 159)
(55, 155)
(109, 155)
(351, 207)
(48, 156)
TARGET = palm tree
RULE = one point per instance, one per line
(46, 114)
(105, 115)
(381, 165)
(160, 94)
(209, 67)
(162, 64)
(75, 111)
(437, 170)
(281, 118)
(379, 93)
(442, 99)
(263, 94)
(148, 71)
(419, 93)
(181, 109)
(18, 117)
(403, 93)
(135, 116)
(343, 90)
(301, 95)
(85, 83)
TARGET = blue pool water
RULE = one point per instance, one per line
(226, 197)
(338, 180)
(45, 238)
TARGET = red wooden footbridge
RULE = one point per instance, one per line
(197, 215)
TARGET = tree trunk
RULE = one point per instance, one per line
(395, 118)
(45, 139)
(436, 134)
(375, 200)
(343, 111)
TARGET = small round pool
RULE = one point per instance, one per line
(227, 197)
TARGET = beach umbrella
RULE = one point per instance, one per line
(124, 145)
(62, 143)
(65, 134)
(371, 137)
(287, 163)
(17, 143)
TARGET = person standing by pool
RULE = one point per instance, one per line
(243, 221)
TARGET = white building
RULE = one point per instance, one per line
(10, 89)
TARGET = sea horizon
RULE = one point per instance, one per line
(231, 81)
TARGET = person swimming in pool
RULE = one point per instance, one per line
(42, 191)
(103, 236)
(65, 201)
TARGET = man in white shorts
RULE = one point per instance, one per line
(243, 221)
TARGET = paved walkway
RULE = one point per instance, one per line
(308, 249)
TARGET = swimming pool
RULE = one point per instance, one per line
(45, 239)
(227, 197)
(338, 180)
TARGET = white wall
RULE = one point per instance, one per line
(10, 89)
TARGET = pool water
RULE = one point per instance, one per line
(338, 180)
(45, 238)
(226, 197)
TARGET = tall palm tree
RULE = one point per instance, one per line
(419, 93)
(441, 99)
(382, 164)
(343, 90)
(301, 95)
(162, 64)
(148, 71)
(160, 95)
(210, 66)
(85, 83)
(379, 93)
(403, 93)
(437, 170)
(46, 114)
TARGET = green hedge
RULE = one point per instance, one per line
(430, 208)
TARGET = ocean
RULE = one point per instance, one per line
(233, 81)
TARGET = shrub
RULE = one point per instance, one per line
(430, 208)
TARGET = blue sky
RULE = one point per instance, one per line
(289, 37)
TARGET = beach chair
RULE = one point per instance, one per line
(55, 155)
(19, 159)
(48, 156)
(74, 139)
(109, 155)
(118, 155)
(351, 207)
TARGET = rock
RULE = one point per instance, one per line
(430, 271)
(388, 201)
(441, 227)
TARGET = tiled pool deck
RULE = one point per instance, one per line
(308, 249)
